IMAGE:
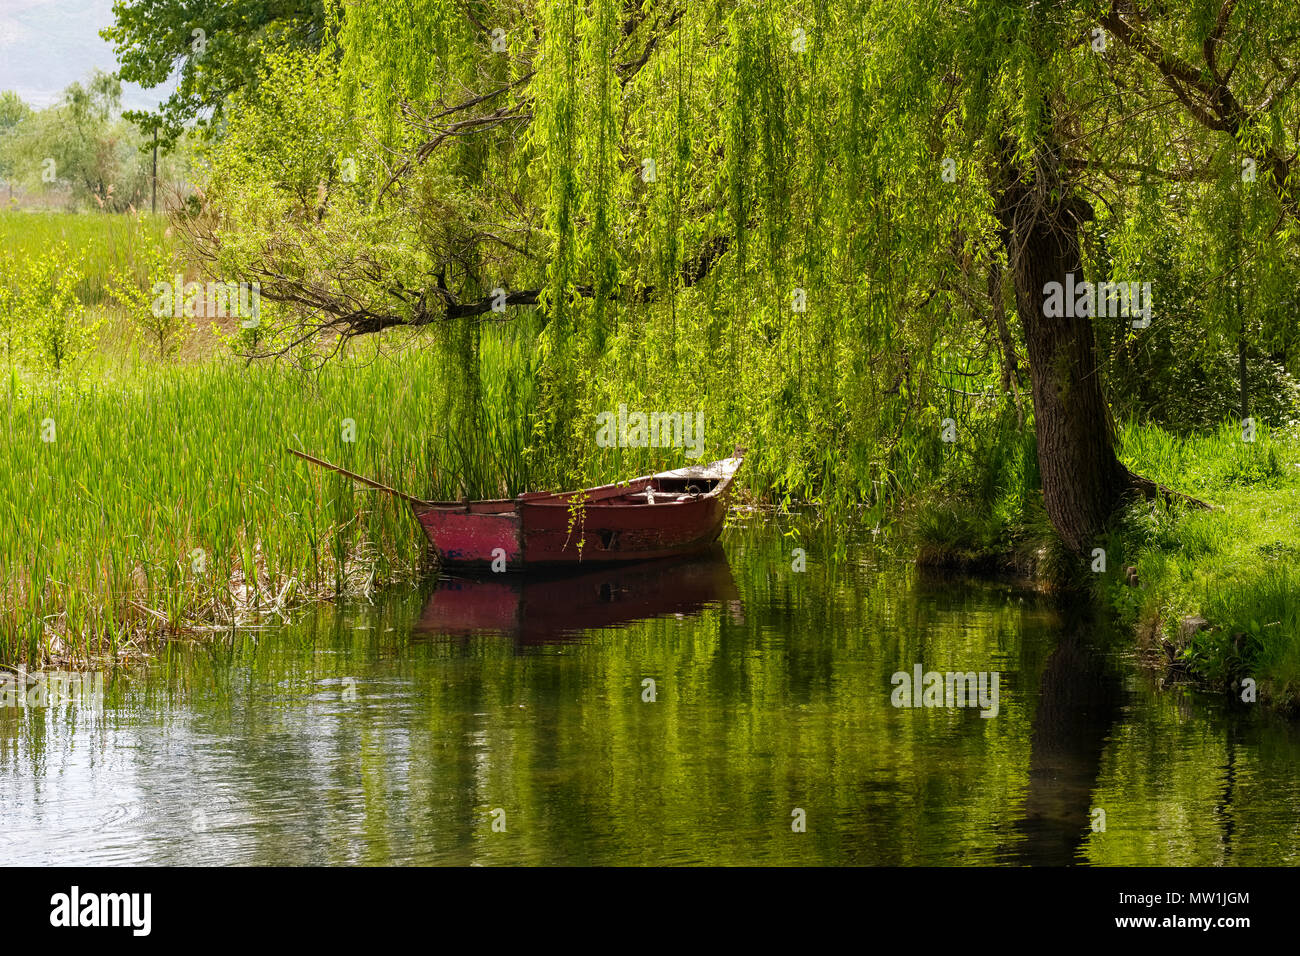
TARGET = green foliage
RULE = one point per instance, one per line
(984, 510)
(43, 325)
(571, 210)
(1237, 566)
(1203, 463)
(12, 112)
(667, 181)
(55, 332)
(213, 45)
(113, 562)
(149, 305)
(12, 307)
(82, 149)
(103, 246)
(1217, 290)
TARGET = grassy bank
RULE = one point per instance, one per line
(144, 497)
(166, 503)
(158, 498)
(1236, 567)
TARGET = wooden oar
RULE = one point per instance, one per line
(355, 477)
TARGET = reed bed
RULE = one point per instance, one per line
(167, 504)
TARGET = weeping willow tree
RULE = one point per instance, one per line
(798, 216)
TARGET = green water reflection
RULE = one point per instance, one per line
(389, 733)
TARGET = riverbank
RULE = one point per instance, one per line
(1216, 594)
(167, 508)
(145, 500)
(164, 504)
(155, 500)
(1213, 597)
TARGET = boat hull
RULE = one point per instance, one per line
(608, 525)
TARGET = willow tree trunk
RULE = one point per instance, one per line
(1083, 480)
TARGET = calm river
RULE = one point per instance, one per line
(728, 710)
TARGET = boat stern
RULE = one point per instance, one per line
(464, 538)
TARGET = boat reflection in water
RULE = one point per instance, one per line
(536, 608)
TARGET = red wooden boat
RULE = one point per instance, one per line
(655, 516)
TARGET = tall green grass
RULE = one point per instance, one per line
(1212, 460)
(102, 528)
(102, 243)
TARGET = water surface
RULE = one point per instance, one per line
(399, 732)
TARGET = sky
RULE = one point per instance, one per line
(47, 44)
